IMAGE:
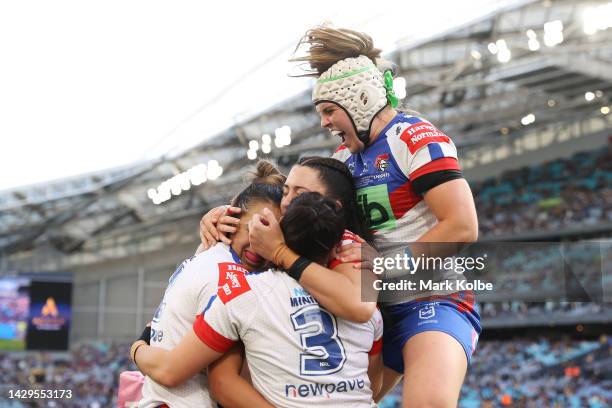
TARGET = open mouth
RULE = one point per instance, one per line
(338, 133)
(252, 257)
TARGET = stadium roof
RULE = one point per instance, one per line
(486, 83)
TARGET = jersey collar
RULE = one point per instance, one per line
(234, 255)
(396, 119)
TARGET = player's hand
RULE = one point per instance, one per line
(216, 223)
(265, 234)
(360, 253)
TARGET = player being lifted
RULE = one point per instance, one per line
(299, 354)
(410, 190)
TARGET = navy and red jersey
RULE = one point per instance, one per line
(392, 174)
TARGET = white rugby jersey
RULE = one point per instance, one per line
(299, 354)
(189, 289)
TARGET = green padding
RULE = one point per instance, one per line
(348, 74)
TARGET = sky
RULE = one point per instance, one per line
(91, 85)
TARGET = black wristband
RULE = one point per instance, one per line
(296, 270)
(146, 335)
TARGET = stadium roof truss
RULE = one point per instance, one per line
(454, 80)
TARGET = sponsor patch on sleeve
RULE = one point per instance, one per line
(232, 281)
(420, 134)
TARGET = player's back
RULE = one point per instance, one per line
(299, 354)
(189, 289)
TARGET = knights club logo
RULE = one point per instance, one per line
(382, 162)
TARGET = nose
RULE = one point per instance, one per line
(325, 122)
(285, 202)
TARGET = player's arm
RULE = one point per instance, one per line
(228, 387)
(375, 363)
(375, 372)
(338, 290)
(453, 205)
(173, 367)
(390, 379)
(431, 165)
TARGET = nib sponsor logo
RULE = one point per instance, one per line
(318, 389)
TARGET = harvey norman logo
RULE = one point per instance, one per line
(420, 132)
(418, 135)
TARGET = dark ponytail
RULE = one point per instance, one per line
(313, 225)
(340, 186)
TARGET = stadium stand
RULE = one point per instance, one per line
(89, 370)
(549, 196)
(545, 372)
(535, 373)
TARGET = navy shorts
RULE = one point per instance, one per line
(456, 315)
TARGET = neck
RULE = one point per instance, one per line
(380, 121)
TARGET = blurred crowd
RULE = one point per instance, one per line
(513, 373)
(558, 194)
(90, 371)
(535, 374)
(574, 270)
(521, 309)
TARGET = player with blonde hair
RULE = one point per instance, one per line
(410, 190)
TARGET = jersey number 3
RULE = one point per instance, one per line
(319, 336)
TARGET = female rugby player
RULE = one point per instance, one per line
(191, 286)
(299, 354)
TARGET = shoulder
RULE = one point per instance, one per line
(264, 282)
(236, 282)
(205, 265)
(218, 253)
(232, 281)
(342, 153)
(413, 132)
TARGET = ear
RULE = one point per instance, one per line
(339, 203)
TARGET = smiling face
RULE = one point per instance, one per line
(240, 239)
(301, 179)
(337, 121)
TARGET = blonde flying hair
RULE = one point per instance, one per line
(328, 45)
